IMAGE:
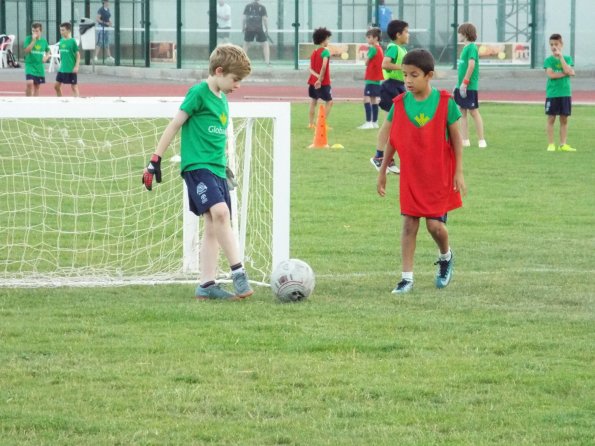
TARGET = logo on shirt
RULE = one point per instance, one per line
(421, 119)
(223, 119)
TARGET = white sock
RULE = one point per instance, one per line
(238, 271)
(446, 256)
(407, 276)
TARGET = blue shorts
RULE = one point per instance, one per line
(471, 102)
(324, 93)
(205, 190)
(390, 89)
(443, 218)
(36, 79)
(372, 90)
(558, 106)
(66, 78)
(102, 40)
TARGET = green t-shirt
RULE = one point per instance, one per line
(68, 51)
(557, 88)
(469, 52)
(396, 53)
(34, 60)
(422, 112)
(204, 134)
(371, 53)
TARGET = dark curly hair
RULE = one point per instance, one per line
(320, 35)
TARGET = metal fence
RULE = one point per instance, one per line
(181, 33)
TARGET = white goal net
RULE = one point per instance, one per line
(73, 210)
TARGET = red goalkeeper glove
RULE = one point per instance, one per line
(154, 168)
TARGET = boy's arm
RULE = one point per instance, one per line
(154, 166)
(389, 153)
(77, 63)
(457, 145)
(322, 71)
(568, 70)
(387, 64)
(29, 47)
(554, 74)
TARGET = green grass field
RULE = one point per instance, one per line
(505, 355)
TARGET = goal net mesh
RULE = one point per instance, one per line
(73, 210)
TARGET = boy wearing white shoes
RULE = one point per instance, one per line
(372, 78)
(466, 94)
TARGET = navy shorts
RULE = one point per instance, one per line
(205, 189)
(442, 218)
(258, 34)
(471, 102)
(36, 79)
(390, 89)
(323, 93)
(372, 90)
(558, 106)
(66, 78)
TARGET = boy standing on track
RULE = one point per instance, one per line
(319, 82)
(37, 52)
(393, 85)
(69, 61)
(422, 127)
(372, 78)
(558, 93)
(203, 118)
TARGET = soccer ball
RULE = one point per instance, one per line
(292, 281)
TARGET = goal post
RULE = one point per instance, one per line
(73, 210)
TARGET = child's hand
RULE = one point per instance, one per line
(152, 169)
(381, 183)
(459, 184)
(317, 84)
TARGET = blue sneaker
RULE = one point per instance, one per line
(404, 286)
(445, 270)
(241, 285)
(213, 292)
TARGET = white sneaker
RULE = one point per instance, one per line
(482, 144)
(375, 125)
(466, 143)
(366, 126)
(94, 60)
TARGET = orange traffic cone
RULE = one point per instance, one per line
(320, 138)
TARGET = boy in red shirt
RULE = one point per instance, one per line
(422, 127)
(372, 78)
(320, 73)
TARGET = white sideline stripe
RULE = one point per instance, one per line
(458, 273)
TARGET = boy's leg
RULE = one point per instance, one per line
(478, 123)
(29, 86)
(439, 233)
(58, 88)
(408, 241)
(312, 111)
(221, 223)
(75, 90)
(209, 250)
(327, 108)
(375, 101)
(549, 128)
(563, 129)
(464, 128)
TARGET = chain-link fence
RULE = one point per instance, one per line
(180, 33)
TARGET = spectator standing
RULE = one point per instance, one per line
(223, 21)
(384, 16)
(255, 27)
(104, 21)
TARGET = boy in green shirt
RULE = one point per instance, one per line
(466, 95)
(37, 52)
(393, 85)
(203, 118)
(558, 93)
(69, 61)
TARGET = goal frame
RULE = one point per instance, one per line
(166, 107)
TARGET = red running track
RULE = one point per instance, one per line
(254, 92)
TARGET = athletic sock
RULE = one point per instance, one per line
(446, 256)
(407, 276)
(379, 154)
(368, 108)
(207, 284)
(375, 112)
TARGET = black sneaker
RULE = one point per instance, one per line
(404, 286)
(445, 269)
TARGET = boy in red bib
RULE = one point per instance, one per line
(422, 127)
(319, 82)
